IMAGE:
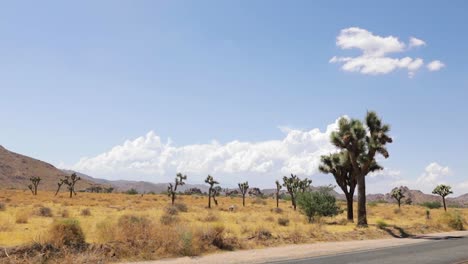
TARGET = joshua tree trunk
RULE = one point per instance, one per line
(399, 203)
(277, 200)
(71, 193)
(173, 198)
(362, 214)
(349, 207)
(209, 198)
(293, 201)
(243, 200)
(443, 200)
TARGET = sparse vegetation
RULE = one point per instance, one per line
(318, 204)
(294, 185)
(397, 194)
(277, 194)
(432, 205)
(243, 187)
(210, 181)
(34, 184)
(132, 191)
(171, 189)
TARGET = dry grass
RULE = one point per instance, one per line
(147, 227)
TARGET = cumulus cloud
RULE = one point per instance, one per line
(374, 58)
(434, 174)
(149, 158)
(435, 65)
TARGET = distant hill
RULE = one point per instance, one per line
(16, 169)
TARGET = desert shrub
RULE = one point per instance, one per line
(6, 224)
(181, 207)
(67, 233)
(22, 217)
(45, 211)
(134, 228)
(86, 212)
(171, 210)
(263, 234)
(216, 236)
(454, 220)
(283, 221)
(432, 205)
(317, 204)
(277, 210)
(211, 218)
(372, 204)
(65, 213)
(397, 211)
(2, 207)
(168, 219)
(132, 191)
(259, 201)
(269, 219)
(106, 231)
(381, 224)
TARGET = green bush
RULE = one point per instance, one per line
(455, 221)
(317, 204)
(381, 224)
(132, 191)
(432, 205)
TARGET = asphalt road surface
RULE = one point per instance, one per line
(449, 250)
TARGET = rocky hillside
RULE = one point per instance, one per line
(16, 169)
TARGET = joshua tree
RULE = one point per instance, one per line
(211, 182)
(70, 181)
(34, 183)
(443, 190)
(243, 187)
(293, 185)
(278, 188)
(362, 143)
(171, 189)
(397, 194)
(216, 191)
(339, 166)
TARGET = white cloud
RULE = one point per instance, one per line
(415, 42)
(374, 59)
(434, 174)
(148, 158)
(435, 65)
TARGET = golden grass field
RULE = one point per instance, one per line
(253, 226)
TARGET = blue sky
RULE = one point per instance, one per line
(78, 79)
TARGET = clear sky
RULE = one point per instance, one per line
(142, 89)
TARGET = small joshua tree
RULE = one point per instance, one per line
(171, 189)
(397, 194)
(70, 182)
(210, 182)
(443, 190)
(278, 188)
(243, 187)
(293, 185)
(34, 183)
(216, 191)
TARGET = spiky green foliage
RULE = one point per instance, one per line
(339, 165)
(243, 187)
(294, 185)
(443, 190)
(362, 144)
(278, 189)
(172, 189)
(34, 184)
(210, 181)
(317, 204)
(397, 194)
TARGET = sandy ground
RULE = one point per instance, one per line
(301, 251)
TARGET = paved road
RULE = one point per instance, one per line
(440, 251)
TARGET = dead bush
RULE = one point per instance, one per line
(283, 221)
(2, 207)
(181, 207)
(22, 217)
(67, 233)
(65, 213)
(45, 212)
(86, 212)
(171, 210)
(277, 210)
(211, 218)
(263, 233)
(168, 219)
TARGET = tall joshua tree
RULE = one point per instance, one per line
(70, 182)
(171, 189)
(34, 183)
(293, 185)
(397, 194)
(278, 188)
(443, 190)
(210, 182)
(362, 144)
(243, 187)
